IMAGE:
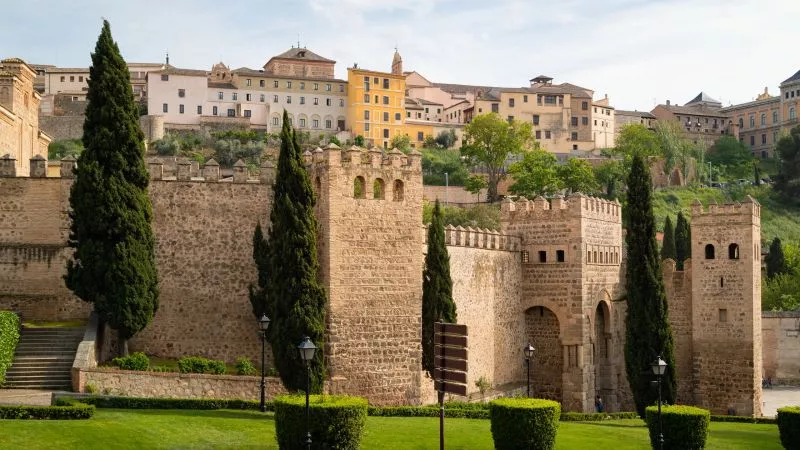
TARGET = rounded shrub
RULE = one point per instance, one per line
(524, 423)
(788, 419)
(245, 367)
(196, 364)
(336, 422)
(134, 361)
(684, 427)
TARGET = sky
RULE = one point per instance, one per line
(638, 52)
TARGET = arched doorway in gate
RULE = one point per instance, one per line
(603, 375)
(543, 332)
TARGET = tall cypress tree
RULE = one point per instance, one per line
(113, 266)
(296, 298)
(668, 245)
(258, 293)
(683, 241)
(437, 288)
(648, 332)
(776, 261)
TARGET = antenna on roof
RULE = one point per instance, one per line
(167, 57)
(298, 40)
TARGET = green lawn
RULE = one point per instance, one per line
(248, 429)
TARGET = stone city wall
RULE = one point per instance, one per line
(678, 288)
(453, 194)
(781, 339)
(71, 126)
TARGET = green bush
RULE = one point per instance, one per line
(524, 423)
(336, 422)
(9, 337)
(70, 412)
(684, 427)
(788, 419)
(596, 417)
(743, 419)
(134, 361)
(245, 367)
(429, 411)
(162, 403)
(196, 364)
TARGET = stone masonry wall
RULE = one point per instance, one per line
(781, 340)
(678, 288)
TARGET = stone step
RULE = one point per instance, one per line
(59, 376)
(54, 332)
(57, 347)
(55, 386)
(44, 358)
(48, 352)
(39, 368)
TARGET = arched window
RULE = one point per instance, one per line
(359, 190)
(733, 251)
(398, 190)
(377, 189)
(709, 251)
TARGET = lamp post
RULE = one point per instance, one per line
(659, 367)
(307, 349)
(263, 324)
(528, 355)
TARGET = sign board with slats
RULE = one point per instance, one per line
(450, 358)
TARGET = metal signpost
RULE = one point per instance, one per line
(450, 365)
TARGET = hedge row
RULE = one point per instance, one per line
(596, 417)
(9, 337)
(683, 427)
(788, 420)
(72, 412)
(743, 419)
(529, 423)
(428, 411)
(335, 421)
(162, 403)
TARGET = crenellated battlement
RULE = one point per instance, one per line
(358, 157)
(749, 207)
(478, 238)
(575, 205)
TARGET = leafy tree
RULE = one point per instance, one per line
(683, 241)
(490, 140)
(536, 174)
(430, 142)
(676, 149)
(293, 289)
(668, 245)
(475, 183)
(437, 162)
(114, 265)
(258, 294)
(776, 262)
(359, 141)
(167, 146)
(60, 149)
(636, 139)
(648, 332)
(756, 174)
(446, 138)
(610, 175)
(787, 182)
(334, 140)
(437, 288)
(731, 157)
(781, 293)
(577, 175)
(401, 142)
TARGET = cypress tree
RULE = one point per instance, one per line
(648, 332)
(683, 241)
(113, 266)
(258, 294)
(776, 261)
(437, 288)
(668, 246)
(296, 298)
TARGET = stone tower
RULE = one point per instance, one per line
(726, 307)
(369, 208)
(397, 64)
(569, 292)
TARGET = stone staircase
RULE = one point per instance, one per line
(44, 359)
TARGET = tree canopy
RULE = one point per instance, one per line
(668, 244)
(732, 157)
(490, 140)
(577, 175)
(787, 182)
(536, 174)
(113, 266)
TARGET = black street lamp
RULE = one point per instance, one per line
(307, 349)
(659, 368)
(528, 356)
(263, 324)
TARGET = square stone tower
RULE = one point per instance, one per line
(726, 307)
(369, 208)
(571, 262)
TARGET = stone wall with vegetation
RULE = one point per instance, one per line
(780, 332)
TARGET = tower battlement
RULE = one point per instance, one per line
(358, 157)
(575, 205)
(749, 209)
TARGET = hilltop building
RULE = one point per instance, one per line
(758, 123)
(701, 119)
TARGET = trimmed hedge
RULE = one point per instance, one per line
(9, 337)
(524, 423)
(196, 364)
(596, 417)
(161, 403)
(743, 419)
(336, 422)
(428, 411)
(684, 427)
(788, 419)
(134, 361)
(72, 412)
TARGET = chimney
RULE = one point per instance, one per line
(667, 102)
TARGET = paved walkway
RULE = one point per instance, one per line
(25, 397)
(779, 396)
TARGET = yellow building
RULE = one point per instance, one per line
(376, 103)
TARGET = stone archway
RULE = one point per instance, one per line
(543, 331)
(603, 367)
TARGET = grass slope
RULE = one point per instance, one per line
(249, 429)
(777, 218)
